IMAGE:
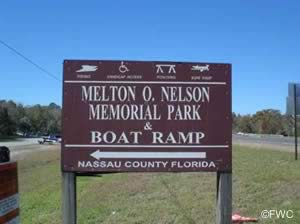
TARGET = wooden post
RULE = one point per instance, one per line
(224, 198)
(295, 115)
(69, 198)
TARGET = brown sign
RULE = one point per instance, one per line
(9, 198)
(122, 116)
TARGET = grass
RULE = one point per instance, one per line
(262, 179)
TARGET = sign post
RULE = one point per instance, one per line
(293, 109)
(295, 116)
(224, 198)
(69, 198)
(133, 116)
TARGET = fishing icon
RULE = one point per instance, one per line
(123, 68)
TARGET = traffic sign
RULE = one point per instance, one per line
(293, 96)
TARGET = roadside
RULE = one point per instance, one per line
(140, 197)
(18, 142)
(20, 146)
(284, 144)
(258, 184)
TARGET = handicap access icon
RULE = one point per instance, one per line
(123, 68)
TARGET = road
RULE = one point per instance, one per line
(272, 142)
(19, 142)
(23, 145)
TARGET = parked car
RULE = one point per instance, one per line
(51, 139)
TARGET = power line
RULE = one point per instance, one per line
(30, 61)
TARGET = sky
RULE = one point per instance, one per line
(261, 39)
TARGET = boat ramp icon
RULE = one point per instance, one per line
(200, 68)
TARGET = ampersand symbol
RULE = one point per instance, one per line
(148, 126)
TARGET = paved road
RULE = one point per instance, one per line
(276, 140)
(23, 145)
(273, 142)
(19, 142)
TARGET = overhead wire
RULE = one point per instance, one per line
(30, 61)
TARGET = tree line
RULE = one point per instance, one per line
(15, 118)
(267, 121)
(43, 120)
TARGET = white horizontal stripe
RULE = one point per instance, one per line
(145, 82)
(9, 204)
(152, 155)
(144, 146)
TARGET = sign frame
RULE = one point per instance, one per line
(106, 74)
(224, 176)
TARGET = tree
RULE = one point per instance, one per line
(37, 119)
(24, 125)
(268, 122)
(7, 126)
(246, 124)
